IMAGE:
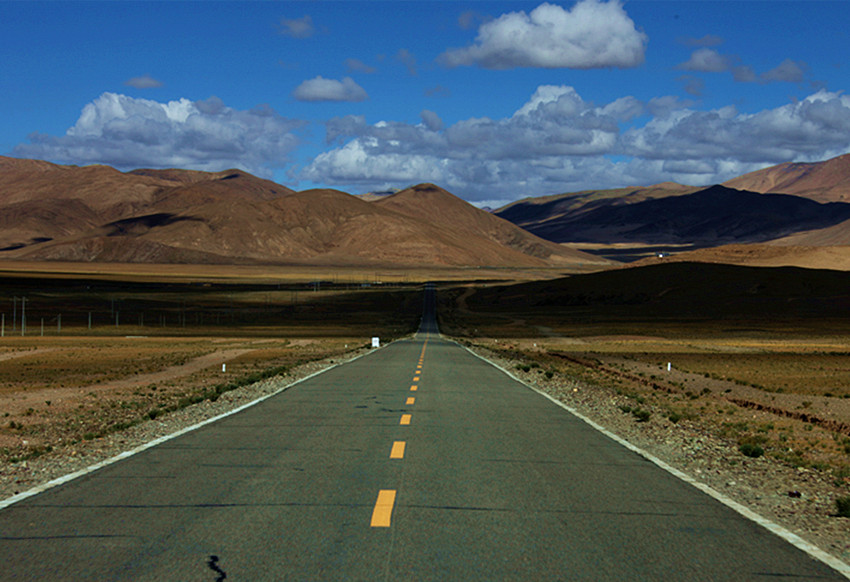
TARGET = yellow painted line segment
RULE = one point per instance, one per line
(397, 452)
(416, 378)
(410, 400)
(405, 419)
(414, 388)
(383, 508)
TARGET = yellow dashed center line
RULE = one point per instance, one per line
(383, 508)
(405, 419)
(397, 451)
(414, 388)
(410, 400)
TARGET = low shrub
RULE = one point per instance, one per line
(751, 450)
(842, 504)
(641, 415)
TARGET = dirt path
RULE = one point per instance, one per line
(22, 353)
(18, 402)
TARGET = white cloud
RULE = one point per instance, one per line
(594, 34)
(431, 120)
(708, 61)
(558, 142)
(130, 133)
(143, 82)
(788, 71)
(321, 89)
(297, 27)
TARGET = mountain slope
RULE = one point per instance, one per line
(827, 181)
(531, 212)
(462, 220)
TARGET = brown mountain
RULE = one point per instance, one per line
(466, 223)
(827, 181)
(96, 213)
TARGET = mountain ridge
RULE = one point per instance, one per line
(97, 213)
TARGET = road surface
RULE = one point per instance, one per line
(417, 462)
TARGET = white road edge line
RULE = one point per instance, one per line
(126, 454)
(792, 538)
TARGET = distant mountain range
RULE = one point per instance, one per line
(96, 213)
(788, 204)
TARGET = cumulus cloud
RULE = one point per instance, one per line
(143, 82)
(559, 142)
(321, 89)
(129, 133)
(431, 120)
(594, 34)
(788, 71)
(708, 60)
(814, 128)
(297, 27)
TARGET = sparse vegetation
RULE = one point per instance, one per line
(751, 450)
(842, 505)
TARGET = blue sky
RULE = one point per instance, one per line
(494, 101)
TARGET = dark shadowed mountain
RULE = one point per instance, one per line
(710, 217)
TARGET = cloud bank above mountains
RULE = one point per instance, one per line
(554, 142)
(130, 133)
(558, 142)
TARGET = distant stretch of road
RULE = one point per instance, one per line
(419, 461)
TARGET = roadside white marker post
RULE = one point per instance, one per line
(669, 366)
(376, 342)
(224, 368)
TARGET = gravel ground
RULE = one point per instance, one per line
(800, 500)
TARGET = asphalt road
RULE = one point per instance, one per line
(417, 462)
